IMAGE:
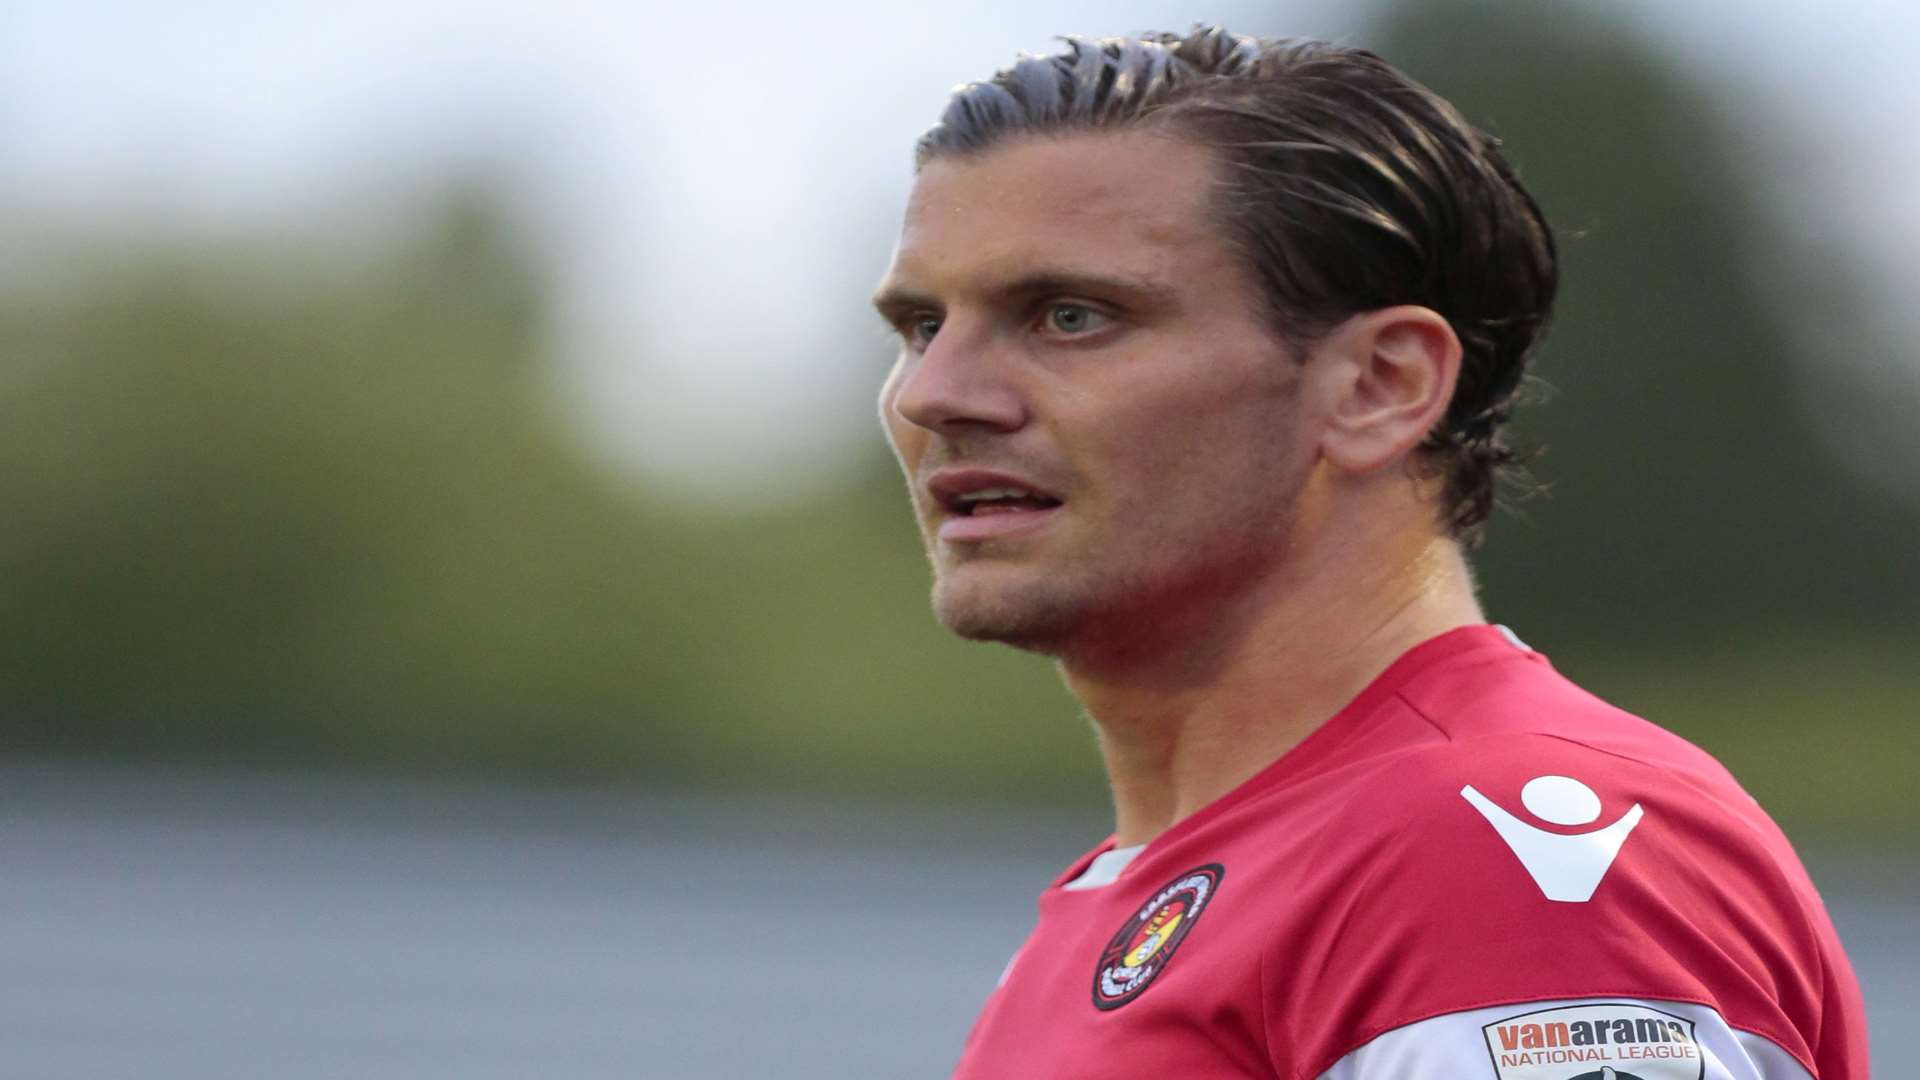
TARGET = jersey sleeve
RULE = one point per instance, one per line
(1493, 879)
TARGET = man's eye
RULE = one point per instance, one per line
(1074, 319)
(920, 330)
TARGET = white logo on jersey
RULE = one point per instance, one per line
(1567, 868)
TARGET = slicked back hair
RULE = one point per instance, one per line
(1345, 185)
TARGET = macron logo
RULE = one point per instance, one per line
(1566, 867)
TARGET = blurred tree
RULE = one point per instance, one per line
(1687, 486)
(267, 507)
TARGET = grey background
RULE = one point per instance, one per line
(190, 923)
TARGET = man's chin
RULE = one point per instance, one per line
(1037, 619)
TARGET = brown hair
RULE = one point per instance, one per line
(1346, 185)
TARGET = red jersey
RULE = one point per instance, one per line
(1475, 870)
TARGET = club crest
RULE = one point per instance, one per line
(1143, 948)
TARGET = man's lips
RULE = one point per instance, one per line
(955, 529)
(979, 504)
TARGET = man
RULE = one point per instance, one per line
(1206, 345)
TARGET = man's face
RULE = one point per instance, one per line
(1096, 423)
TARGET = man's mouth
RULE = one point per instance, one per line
(1001, 500)
(984, 504)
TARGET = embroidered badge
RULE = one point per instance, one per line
(1614, 1041)
(1143, 948)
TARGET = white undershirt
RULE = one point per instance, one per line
(1105, 867)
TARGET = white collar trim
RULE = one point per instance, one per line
(1105, 868)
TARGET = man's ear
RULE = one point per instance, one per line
(1390, 378)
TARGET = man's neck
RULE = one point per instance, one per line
(1184, 719)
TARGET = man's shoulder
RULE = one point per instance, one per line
(1473, 752)
(1512, 817)
(1536, 790)
(1545, 845)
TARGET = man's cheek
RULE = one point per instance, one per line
(907, 441)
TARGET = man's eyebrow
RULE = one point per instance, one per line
(1127, 288)
(895, 302)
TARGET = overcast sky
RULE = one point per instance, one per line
(714, 242)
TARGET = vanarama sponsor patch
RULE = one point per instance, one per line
(1143, 947)
(1607, 1041)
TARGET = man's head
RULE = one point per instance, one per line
(1189, 223)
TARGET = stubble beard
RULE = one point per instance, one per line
(1100, 609)
(1037, 616)
(1130, 602)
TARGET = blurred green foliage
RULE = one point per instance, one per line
(307, 511)
(1678, 436)
(267, 507)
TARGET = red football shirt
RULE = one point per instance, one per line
(1474, 870)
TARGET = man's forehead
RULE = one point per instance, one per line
(1133, 203)
(1076, 174)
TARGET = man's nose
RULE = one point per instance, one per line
(960, 381)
